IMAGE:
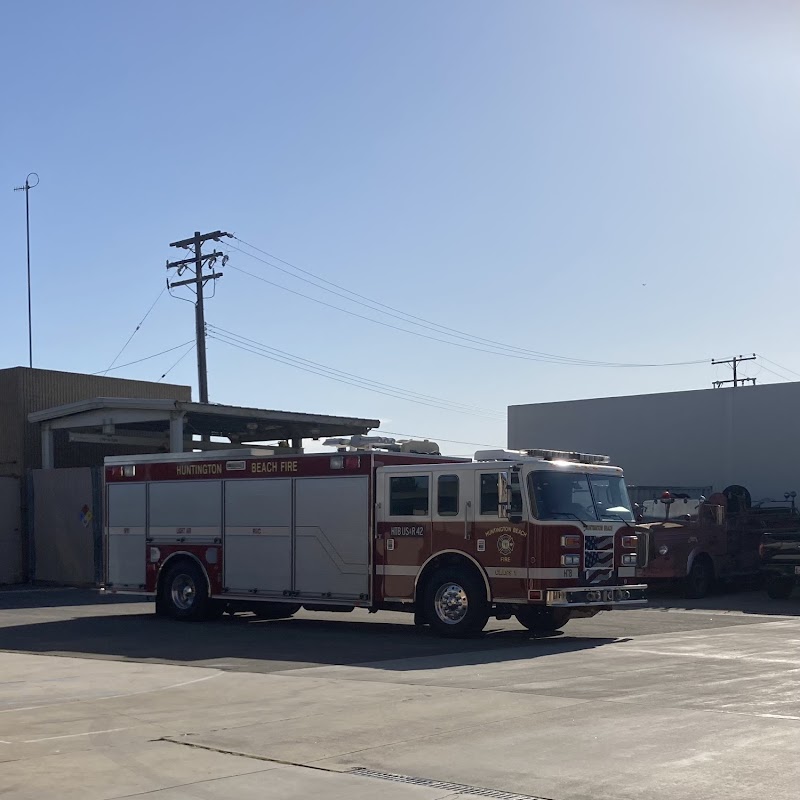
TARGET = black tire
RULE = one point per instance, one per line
(779, 587)
(539, 619)
(700, 579)
(276, 610)
(216, 608)
(185, 592)
(455, 602)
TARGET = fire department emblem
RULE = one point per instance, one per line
(505, 544)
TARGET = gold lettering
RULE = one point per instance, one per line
(199, 469)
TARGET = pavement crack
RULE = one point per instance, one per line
(254, 756)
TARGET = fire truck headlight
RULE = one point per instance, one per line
(155, 555)
(629, 560)
(663, 550)
(573, 560)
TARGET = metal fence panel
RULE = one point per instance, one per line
(10, 531)
(66, 526)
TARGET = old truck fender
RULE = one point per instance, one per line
(697, 551)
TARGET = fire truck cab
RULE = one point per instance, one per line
(540, 535)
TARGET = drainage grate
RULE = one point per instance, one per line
(476, 791)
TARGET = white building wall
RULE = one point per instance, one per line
(748, 435)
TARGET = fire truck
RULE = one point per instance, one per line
(541, 535)
(699, 541)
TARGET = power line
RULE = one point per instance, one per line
(435, 338)
(399, 314)
(785, 369)
(350, 375)
(357, 382)
(180, 358)
(146, 358)
(412, 319)
(782, 377)
(135, 331)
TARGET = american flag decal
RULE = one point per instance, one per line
(599, 543)
(598, 558)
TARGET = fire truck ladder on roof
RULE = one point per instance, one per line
(361, 444)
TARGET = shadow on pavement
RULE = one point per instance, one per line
(726, 600)
(26, 596)
(245, 642)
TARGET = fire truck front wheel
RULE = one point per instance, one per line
(185, 592)
(700, 580)
(455, 602)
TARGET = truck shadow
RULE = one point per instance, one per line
(248, 644)
(39, 596)
(726, 600)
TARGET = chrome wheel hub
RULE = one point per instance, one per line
(183, 592)
(451, 603)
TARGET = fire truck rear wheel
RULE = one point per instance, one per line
(276, 610)
(779, 587)
(542, 620)
(455, 602)
(185, 592)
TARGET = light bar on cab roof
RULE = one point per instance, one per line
(563, 455)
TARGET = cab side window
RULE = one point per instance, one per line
(408, 496)
(447, 496)
(489, 497)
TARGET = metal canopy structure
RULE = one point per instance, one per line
(170, 425)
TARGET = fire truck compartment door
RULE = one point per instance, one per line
(258, 535)
(125, 546)
(185, 511)
(332, 537)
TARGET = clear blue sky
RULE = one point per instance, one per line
(613, 181)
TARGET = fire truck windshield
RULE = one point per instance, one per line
(557, 495)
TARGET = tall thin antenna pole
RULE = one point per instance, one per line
(26, 188)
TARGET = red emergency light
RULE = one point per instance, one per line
(345, 462)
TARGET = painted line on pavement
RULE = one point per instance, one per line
(71, 735)
(113, 696)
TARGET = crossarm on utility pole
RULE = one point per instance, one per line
(196, 262)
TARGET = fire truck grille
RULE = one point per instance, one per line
(458, 788)
(598, 558)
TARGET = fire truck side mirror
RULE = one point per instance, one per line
(503, 494)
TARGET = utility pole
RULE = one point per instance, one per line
(735, 380)
(26, 188)
(195, 265)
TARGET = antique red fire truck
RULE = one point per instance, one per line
(540, 535)
(699, 541)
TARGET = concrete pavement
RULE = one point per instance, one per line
(664, 704)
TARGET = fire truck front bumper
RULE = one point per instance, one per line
(608, 596)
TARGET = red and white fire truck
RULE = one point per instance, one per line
(541, 535)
